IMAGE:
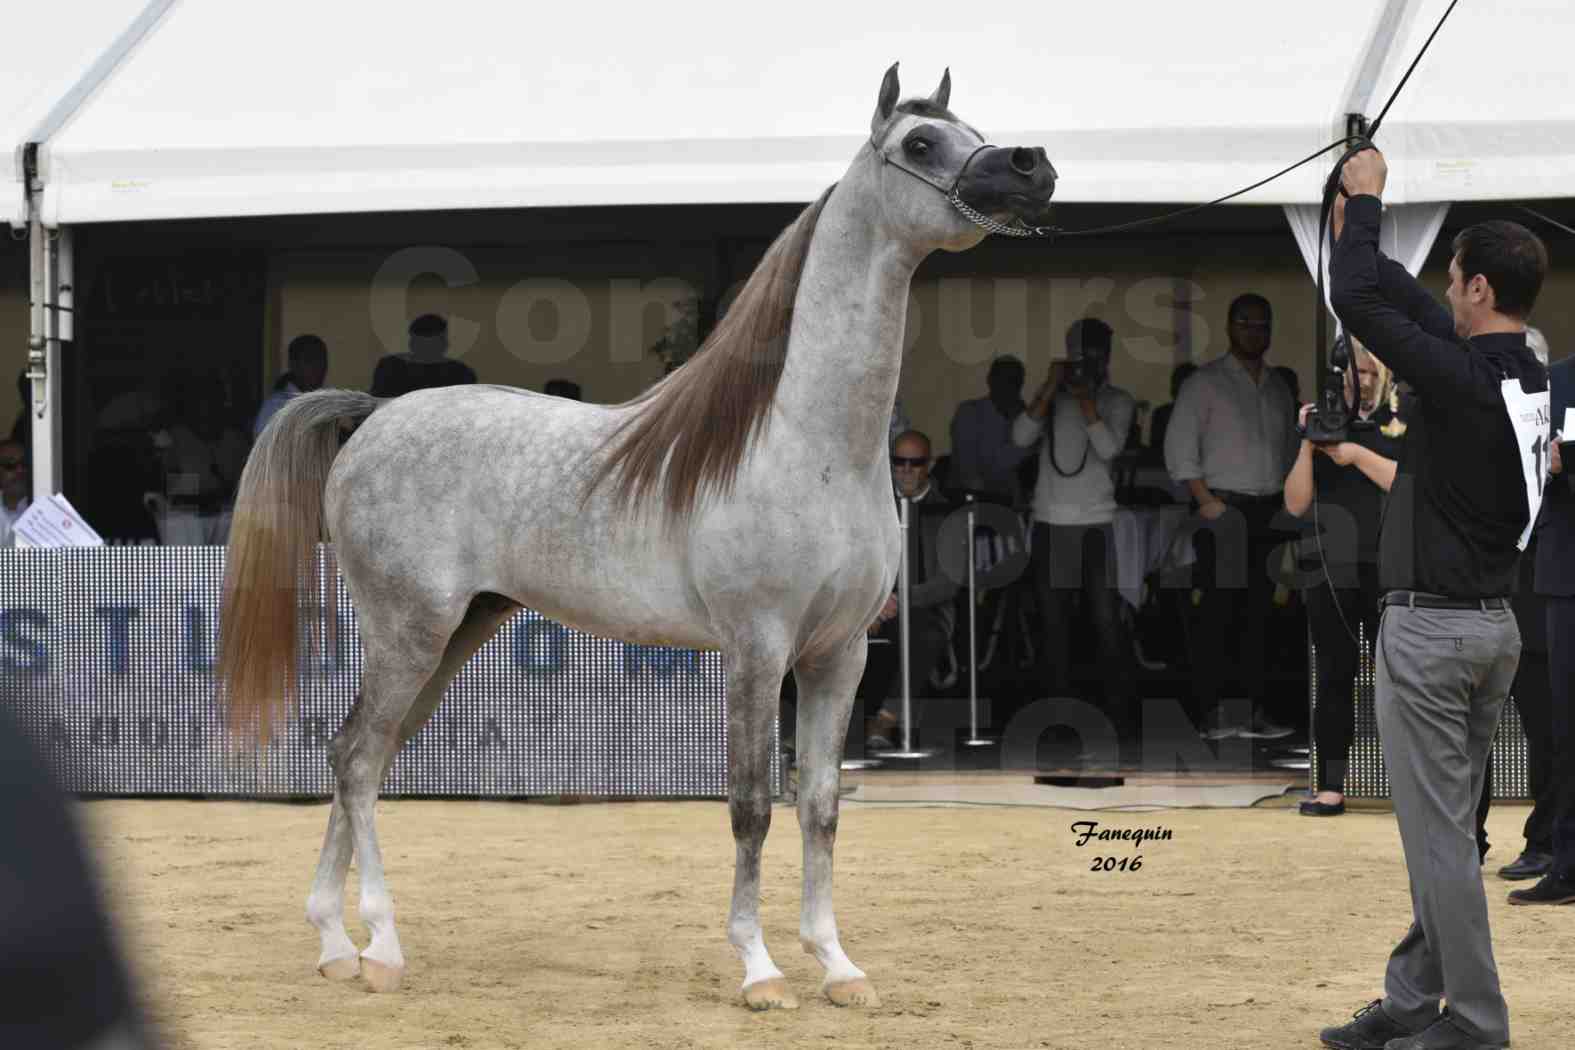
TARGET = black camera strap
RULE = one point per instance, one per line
(1050, 445)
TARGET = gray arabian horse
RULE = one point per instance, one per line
(744, 503)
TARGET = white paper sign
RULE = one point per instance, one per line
(1530, 414)
(1569, 424)
(55, 523)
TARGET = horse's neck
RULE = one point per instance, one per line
(845, 347)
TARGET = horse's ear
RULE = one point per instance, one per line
(943, 94)
(886, 105)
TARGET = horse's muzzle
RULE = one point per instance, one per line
(1015, 181)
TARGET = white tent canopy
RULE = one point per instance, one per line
(1490, 112)
(297, 107)
(61, 44)
(303, 107)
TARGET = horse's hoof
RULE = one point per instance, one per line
(342, 969)
(857, 992)
(381, 977)
(770, 994)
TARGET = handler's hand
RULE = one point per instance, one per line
(1344, 453)
(1337, 216)
(1367, 172)
(1555, 463)
(1301, 417)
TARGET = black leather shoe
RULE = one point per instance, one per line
(1313, 808)
(1532, 864)
(1370, 1029)
(1551, 890)
(1442, 1035)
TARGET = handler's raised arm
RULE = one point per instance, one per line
(1382, 305)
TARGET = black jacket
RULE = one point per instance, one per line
(1556, 527)
(1458, 506)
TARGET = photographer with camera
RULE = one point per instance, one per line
(1460, 510)
(1084, 421)
(1341, 486)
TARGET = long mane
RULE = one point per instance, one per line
(693, 428)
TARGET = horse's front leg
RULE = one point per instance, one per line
(754, 677)
(825, 701)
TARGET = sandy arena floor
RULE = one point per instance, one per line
(602, 926)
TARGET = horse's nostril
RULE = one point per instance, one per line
(1024, 161)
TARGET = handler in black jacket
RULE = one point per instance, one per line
(1555, 579)
(1468, 487)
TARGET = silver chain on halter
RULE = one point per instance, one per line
(990, 225)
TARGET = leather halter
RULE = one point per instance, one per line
(963, 208)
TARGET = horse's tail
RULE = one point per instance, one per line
(277, 523)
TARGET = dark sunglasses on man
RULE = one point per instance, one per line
(909, 461)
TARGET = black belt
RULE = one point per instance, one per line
(1228, 496)
(1423, 600)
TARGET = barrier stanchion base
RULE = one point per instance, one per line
(1079, 780)
(979, 742)
(909, 756)
(854, 764)
(1291, 763)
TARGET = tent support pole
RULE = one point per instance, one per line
(50, 278)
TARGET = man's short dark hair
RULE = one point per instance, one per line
(307, 349)
(1090, 333)
(1003, 367)
(1512, 259)
(428, 325)
(1249, 299)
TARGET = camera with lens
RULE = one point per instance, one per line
(1331, 420)
(1084, 367)
(1080, 371)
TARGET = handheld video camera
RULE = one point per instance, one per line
(1331, 421)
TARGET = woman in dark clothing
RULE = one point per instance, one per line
(1340, 490)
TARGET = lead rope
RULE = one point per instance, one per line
(1332, 187)
(1355, 143)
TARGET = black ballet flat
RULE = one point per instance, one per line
(1314, 808)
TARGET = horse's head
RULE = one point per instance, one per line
(920, 143)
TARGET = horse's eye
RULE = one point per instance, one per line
(917, 147)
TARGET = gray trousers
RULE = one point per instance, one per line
(1442, 678)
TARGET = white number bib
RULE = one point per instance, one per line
(1531, 414)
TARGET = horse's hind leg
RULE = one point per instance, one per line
(825, 701)
(325, 903)
(754, 683)
(404, 644)
(325, 908)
